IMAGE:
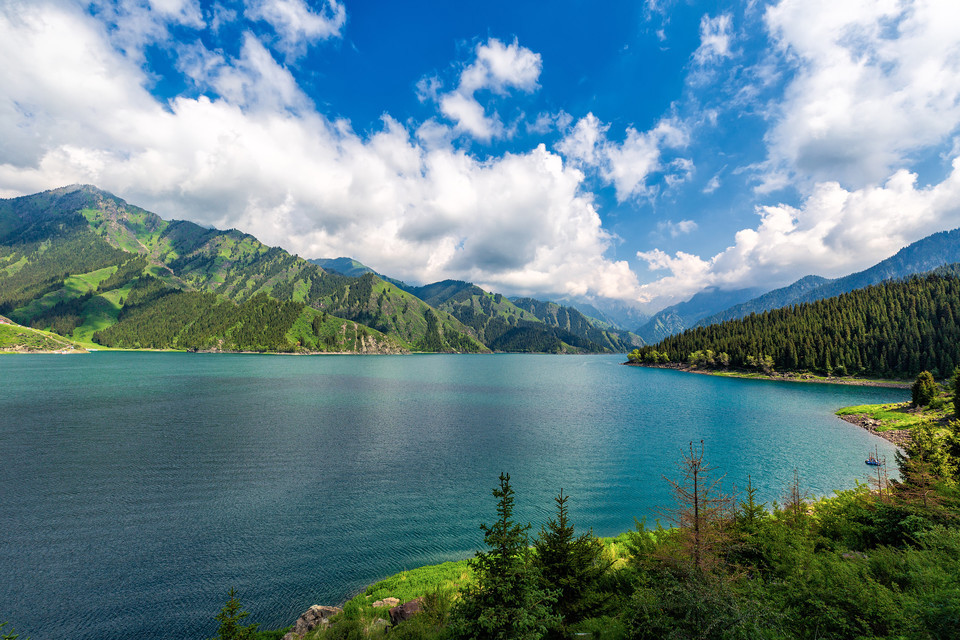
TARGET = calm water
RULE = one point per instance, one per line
(136, 488)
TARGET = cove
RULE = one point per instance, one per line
(137, 488)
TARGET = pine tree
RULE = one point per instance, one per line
(505, 603)
(571, 567)
(230, 619)
(750, 512)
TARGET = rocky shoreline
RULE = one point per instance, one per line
(899, 437)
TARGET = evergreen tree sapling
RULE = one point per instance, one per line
(230, 619)
(506, 603)
(571, 567)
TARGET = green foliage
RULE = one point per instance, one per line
(955, 387)
(9, 635)
(571, 567)
(898, 328)
(924, 389)
(231, 618)
(506, 603)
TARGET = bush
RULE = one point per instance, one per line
(924, 389)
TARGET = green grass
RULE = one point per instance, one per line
(900, 415)
(99, 313)
(17, 338)
(408, 585)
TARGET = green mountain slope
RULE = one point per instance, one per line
(343, 266)
(72, 256)
(574, 322)
(896, 328)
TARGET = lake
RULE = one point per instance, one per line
(137, 488)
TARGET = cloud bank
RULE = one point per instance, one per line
(259, 158)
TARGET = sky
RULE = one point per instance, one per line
(629, 153)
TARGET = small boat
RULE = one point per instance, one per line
(873, 462)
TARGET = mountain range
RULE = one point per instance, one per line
(89, 266)
(712, 307)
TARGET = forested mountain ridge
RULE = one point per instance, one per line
(571, 320)
(928, 253)
(70, 257)
(894, 329)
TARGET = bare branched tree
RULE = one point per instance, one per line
(700, 506)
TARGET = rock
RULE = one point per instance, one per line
(387, 602)
(315, 616)
(405, 611)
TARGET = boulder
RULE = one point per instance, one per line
(387, 602)
(315, 616)
(405, 611)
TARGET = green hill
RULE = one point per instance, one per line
(15, 338)
(70, 258)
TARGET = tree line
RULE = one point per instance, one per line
(894, 329)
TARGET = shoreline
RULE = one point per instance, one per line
(899, 437)
(777, 377)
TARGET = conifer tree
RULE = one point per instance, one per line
(924, 389)
(505, 603)
(230, 619)
(571, 567)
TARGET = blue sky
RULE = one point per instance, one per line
(622, 152)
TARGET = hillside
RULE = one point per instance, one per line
(15, 338)
(921, 256)
(504, 326)
(894, 329)
(572, 321)
(70, 258)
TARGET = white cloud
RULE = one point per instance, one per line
(874, 83)
(296, 24)
(258, 158)
(629, 164)
(133, 24)
(714, 39)
(833, 233)
(497, 68)
(253, 81)
(676, 229)
(712, 185)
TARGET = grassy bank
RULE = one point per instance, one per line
(780, 376)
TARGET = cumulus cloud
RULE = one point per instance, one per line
(714, 39)
(874, 82)
(629, 164)
(296, 24)
(834, 232)
(257, 158)
(497, 68)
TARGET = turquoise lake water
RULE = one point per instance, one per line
(137, 488)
